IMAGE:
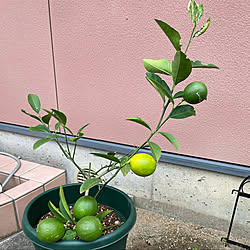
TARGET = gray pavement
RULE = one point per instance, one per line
(16, 241)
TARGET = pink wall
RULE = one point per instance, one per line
(99, 47)
(25, 57)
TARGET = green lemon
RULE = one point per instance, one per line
(143, 164)
(195, 92)
(50, 230)
(89, 228)
(85, 206)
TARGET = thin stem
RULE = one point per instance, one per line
(142, 145)
(73, 161)
(74, 150)
(67, 155)
(191, 37)
(66, 141)
(163, 113)
(170, 114)
(62, 149)
(110, 179)
(109, 170)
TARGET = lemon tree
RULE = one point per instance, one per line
(163, 75)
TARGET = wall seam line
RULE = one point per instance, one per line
(53, 55)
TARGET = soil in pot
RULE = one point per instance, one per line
(108, 221)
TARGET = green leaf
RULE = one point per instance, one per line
(107, 156)
(57, 126)
(181, 112)
(162, 66)
(200, 11)
(39, 128)
(202, 29)
(70, 131)
(102, 214)
(70, 234)
(138, 120)
(125, 166)
(157, 89)
(46, 118)
(34, 102)
(40, 142)
(75, 138)
(56, 212)
(171, 33)
(171, 138)
(64, 212)
(64, 206)
(198, 64)
(125, 169)
(181, 67)
(60, 116)
(194, 11)
(49, 112)
(124, 160)
(155, 149)
(89, 183)
(55, 135)
(105, 228)
(80, 129)
(179, 94)
(156, 80)
(33, 116)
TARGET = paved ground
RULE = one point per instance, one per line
(153, 231)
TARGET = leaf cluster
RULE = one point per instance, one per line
(175, 72)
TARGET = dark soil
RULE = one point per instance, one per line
(109, 220)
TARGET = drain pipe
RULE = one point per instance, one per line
(13, 172)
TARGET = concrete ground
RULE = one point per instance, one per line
(153, 231)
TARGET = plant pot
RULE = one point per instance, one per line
(110, 196)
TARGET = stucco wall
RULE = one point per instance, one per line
(99, 47)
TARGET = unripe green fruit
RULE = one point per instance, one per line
(85, 206)
(50, 230)
(195, 92)
(89, 228)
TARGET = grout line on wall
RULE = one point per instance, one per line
(15, 211)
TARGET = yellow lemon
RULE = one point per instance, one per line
(143, 164)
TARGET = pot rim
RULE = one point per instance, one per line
(103, 241)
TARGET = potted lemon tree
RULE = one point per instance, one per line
(75, 221)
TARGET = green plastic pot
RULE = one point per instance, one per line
(110, 196)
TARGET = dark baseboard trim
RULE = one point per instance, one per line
(184, 160)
